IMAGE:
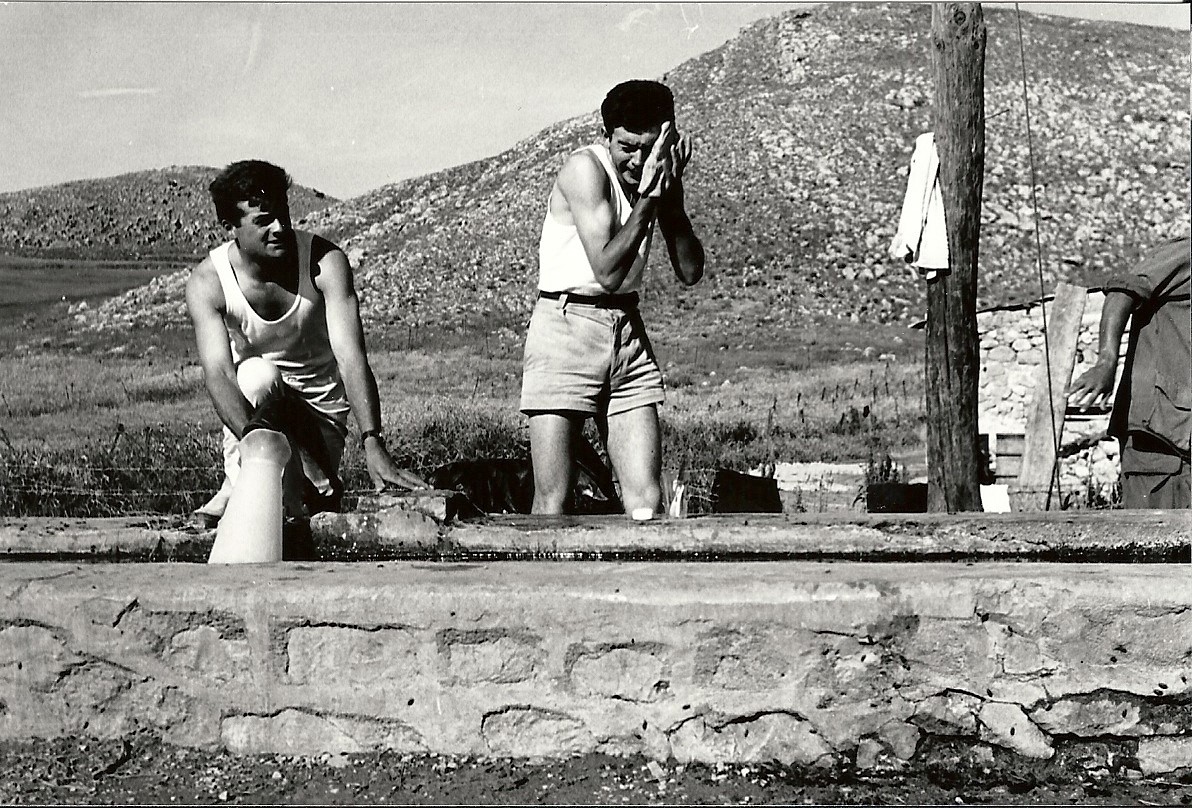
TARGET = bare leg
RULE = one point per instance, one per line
(551, 436)
(635, 449)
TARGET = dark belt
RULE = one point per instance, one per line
(624, 302)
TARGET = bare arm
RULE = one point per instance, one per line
(682, 245)
(205, 302)
(347, 343)
(611, 248)
(1096, 383)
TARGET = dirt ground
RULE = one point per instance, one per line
(141, 770)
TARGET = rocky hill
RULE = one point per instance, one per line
(159, 214)
(804, 125)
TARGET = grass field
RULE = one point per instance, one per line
(118, 424)
(30, 283)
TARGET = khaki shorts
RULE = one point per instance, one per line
(588, 359)
(1153, 476)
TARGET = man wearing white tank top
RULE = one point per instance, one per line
(279, 336)
(587, 353)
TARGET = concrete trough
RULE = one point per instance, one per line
(419, 530)
(810, 663)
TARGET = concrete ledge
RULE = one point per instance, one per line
(157, 538)
(810, 664)
(417, 531)
(1066, 535)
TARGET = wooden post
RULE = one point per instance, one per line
(958, 60)
(1038, 480)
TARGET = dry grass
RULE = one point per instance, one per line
(116, 434)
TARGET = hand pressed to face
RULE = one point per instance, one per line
(657, 171)
(668, 156)
(631, 154)
(680, 154)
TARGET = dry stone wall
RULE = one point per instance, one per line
(813, 665)
(1012, 357)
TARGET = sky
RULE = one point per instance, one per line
(346, 96)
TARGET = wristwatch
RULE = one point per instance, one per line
(371, 433)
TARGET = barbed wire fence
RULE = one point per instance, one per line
(66, 500)
(174, 469)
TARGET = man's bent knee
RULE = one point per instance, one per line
(258, 378)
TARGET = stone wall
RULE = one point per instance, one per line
(807, 664)
(1012, 356)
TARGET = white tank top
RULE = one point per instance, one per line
(297, 342)
(563, 265)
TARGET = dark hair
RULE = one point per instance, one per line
(256, 182)
(637, 105)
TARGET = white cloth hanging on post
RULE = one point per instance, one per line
(922, 238)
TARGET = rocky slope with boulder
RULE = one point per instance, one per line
(804, 125)
(159, 214)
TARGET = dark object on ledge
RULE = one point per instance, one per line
(734, 492)
(896, 498)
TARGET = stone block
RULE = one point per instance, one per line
(1021, 655)
(199, 727)
(901, 738)
(26, 713)
(634, 674)
(297, 732)
(1008, 726)
(1158, 637)
(952, 653)
(90, 687)
(88, 699)
(145, 631)
(106, 725)
(204, 651)
(948, 714)
(154, 705)
(490, 655)
(770, 737)
(442, 506)
(392, 527)
(1106, 470)
(848, 668)
(1162, 755)
(523, 731)
(868, 751)
(1026, 691)
(1092, 715)
(105, 611)
(338, 656)
(33, 656)
(737, 661)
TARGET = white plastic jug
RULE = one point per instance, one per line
(250, 530)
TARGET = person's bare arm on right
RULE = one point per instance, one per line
(1095, 385)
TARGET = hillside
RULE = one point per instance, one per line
(159, 214)
(804, 125)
